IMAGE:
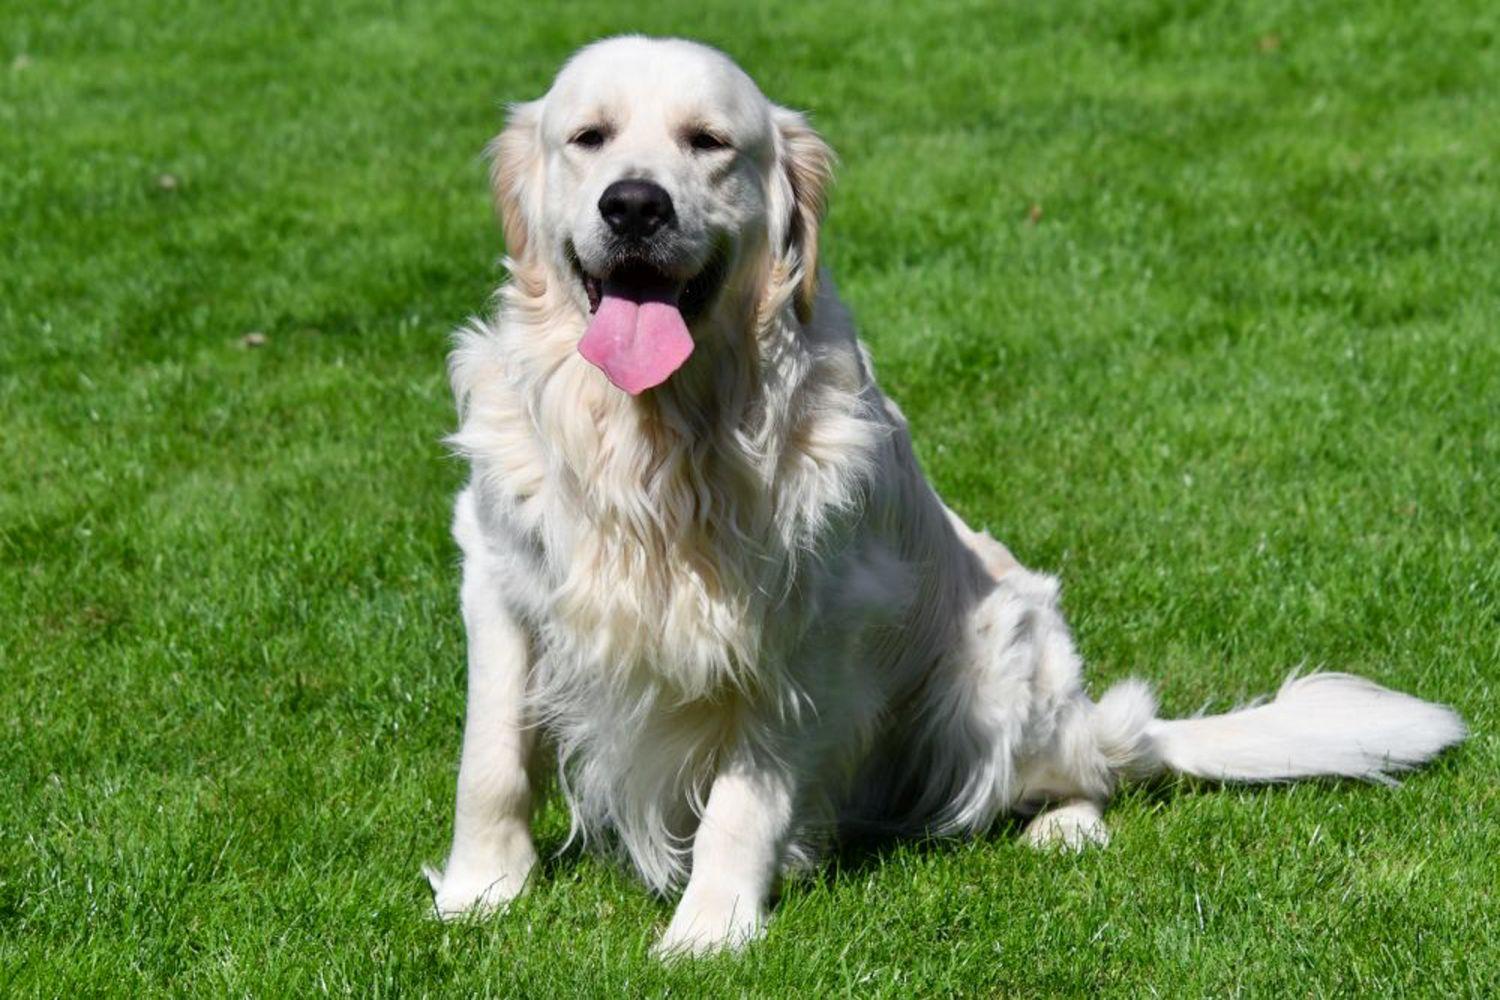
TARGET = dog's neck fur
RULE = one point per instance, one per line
(673, 521)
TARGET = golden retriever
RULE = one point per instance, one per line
(703, 568)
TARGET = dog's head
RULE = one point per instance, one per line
(652, 187)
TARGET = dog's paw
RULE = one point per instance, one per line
(473, 892)
(1069, 827)
(709, 923)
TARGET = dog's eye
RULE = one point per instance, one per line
(588, 138)
(704, 141)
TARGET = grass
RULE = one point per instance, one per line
(1194, 303)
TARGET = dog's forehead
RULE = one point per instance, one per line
(668, 74)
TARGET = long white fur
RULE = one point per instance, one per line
(1322, 724)
(733, 606)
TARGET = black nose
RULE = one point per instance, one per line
(636, 208)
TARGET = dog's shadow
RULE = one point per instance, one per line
(861, 850)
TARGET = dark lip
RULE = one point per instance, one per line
(696, 296)
(592, 287)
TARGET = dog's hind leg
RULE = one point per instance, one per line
(1003, 719)
(1010, 728)
(1071, 825)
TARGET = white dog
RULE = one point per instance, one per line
(702, 566)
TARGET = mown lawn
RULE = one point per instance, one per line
(1197, 304)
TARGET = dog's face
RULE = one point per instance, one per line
(651, 182)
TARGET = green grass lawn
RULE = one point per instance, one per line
(1196, 304)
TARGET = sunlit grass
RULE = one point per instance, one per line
(1195, 304)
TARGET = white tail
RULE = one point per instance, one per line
(1322, 724)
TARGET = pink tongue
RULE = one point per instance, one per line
(636, 344)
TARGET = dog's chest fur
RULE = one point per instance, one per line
(684, 562)
(659, 536)
(665, 563)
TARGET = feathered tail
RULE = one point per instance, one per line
(1334, 725)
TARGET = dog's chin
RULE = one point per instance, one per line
(643, 279)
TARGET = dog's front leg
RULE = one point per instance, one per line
(737, 854)
(492, 853)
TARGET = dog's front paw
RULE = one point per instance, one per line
(710, 922)
(464, 891)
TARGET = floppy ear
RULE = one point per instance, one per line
(516, 178)
(805, 164)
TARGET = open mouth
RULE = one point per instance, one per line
(638, 326)
(693, 296)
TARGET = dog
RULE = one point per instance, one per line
(703, 569)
